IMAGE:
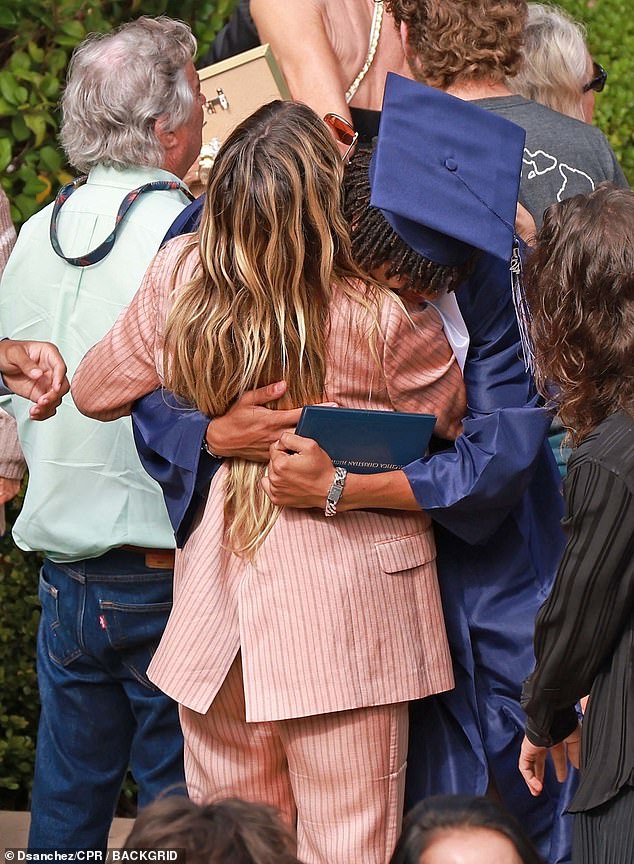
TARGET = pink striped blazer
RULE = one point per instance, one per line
(332, 614)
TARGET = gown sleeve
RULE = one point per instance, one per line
(472, 486)
(168, 438)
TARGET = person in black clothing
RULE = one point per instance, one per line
(580, 287)
(239, 34)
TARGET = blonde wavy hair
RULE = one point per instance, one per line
(272, 241)
(461, 40)
(555, 61)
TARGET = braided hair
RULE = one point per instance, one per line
(375, 244)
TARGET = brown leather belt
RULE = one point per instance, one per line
(161, 559)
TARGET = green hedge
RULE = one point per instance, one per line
(36, 40)
(19, 615)
(610, 26)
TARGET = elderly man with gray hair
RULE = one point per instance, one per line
(132, 119)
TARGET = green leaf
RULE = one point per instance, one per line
(57, 60)
(75, 29)
(30, 75)
(51, 159)
(19, 129)
(95, 22)
(7, 19)
(37, 124)
(10, 90)
(19, 60)
(69, 41)
(37, 54)
(49, 86)
(34, 187)
(5, 153)
(6, 110)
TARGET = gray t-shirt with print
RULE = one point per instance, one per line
(562, 156)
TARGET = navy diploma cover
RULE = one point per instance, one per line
(367, 441)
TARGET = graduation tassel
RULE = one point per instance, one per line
(522, 311)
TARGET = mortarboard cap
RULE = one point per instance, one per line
(445, 173)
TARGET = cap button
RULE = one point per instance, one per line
(451, 164)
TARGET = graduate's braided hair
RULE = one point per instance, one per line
(375, 243)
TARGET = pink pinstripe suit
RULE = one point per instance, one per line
(333, 615)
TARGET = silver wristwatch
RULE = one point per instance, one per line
(336, 491)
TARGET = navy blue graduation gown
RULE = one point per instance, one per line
(496, 501)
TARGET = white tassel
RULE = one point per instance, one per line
(522, 311)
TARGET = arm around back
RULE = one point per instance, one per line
(123, 366)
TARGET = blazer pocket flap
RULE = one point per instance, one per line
(406, 552)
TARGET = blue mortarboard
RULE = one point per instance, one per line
(445, 173)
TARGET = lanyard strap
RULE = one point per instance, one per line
(104, 248)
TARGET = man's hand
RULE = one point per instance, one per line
(301, 477)
(248, 428)
(36, 371)
(9, 488)
(533, 760)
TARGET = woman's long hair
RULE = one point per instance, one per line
(580, 288)
(272, 241)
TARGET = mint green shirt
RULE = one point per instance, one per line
(87, 491)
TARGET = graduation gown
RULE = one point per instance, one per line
(496, 502)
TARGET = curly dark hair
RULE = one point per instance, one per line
(579, 284)
(459, 40)
(376, 245)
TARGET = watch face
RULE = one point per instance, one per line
(335, 493)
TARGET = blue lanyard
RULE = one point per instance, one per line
(104, 248)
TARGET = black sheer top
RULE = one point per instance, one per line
(584, 633)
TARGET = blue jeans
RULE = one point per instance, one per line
(101, 622)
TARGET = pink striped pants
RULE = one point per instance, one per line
(338, 778)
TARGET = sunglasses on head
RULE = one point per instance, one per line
(597, 82)
(343, 131)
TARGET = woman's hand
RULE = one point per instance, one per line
(533, 760)
(299, 474)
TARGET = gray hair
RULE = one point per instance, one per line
(555, 60)
(118, 85)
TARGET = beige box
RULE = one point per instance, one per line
(235, 87)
